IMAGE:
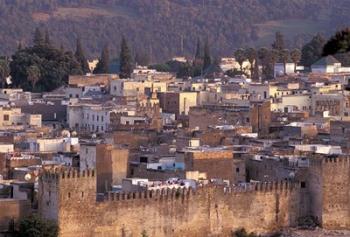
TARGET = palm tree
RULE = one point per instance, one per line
(240, 57)
(295, 56)
(285, 58)
(251, 55)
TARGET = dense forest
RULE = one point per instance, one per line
(164, 28)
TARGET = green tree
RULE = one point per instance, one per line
(251, 55)
(103, 62)
(312, 51)
(144, 233)
(284, 56)
(295, 56)
(126, 65)
(198, 57)
(4, 71)
(80, 57)
(33, 75)
(256, 72)
(47, 40)
(240, 57)
(278, 44)
(54, 66)
(206, 56)
(34, 226)
(243, 233)
(38, 38)
(264, 56)
(339, 43)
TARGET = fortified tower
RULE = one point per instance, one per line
(60, 190)
(336, 193)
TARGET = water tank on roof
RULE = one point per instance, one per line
(65, 133)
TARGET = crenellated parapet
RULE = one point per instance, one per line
(161, 194)
(187, 193)
(337, 161)
(59, 174)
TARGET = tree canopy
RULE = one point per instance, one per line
(312, 51)
(42, 67)
(35, 226)
(126, 65)
(103, 62)
(80, 57)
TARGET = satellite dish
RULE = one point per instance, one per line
(28, 177)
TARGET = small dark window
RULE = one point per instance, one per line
(68, 195)
(6, 117)
(303, 185)
(237, 170)
(82, 194)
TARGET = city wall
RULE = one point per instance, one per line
(208, 211)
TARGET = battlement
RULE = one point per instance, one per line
(57, 174)
(338, 159)
(186, 193)
(166, 194)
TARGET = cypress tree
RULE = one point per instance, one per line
(278, 44)
(206, 56)
(103, 63)
(198, 58)
(47, 38)
(80, 56)
(126, 66)
(198, 55)
(38, 38)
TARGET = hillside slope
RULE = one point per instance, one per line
(164, 28)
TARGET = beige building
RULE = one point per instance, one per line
(13, 117)
(136, 88)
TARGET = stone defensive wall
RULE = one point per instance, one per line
(205, 211)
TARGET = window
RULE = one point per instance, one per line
(68, 194)
(102, 118)
(97, 118)
(82, 194)
(6, 117)
(303, 185)
(237, 170)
